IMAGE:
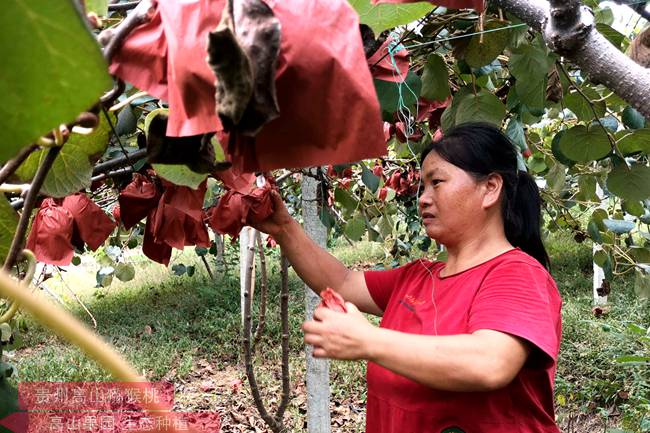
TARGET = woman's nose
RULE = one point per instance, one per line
(425, 198)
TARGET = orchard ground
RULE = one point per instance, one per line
(187, 330)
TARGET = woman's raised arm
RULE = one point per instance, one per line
(314, 265)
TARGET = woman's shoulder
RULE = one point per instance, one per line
(413, 267)
(516, 255)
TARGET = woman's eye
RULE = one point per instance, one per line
(435, 181)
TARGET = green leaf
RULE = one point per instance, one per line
(614, 36)
(76, 260)
(600, 258)
(448, 119)
(632, 118)
(435, 79)
(640, 254)
(632, 207)
(584, 144)
(125, 272)
(201, 251)
(594, 233)
(100, 7)
(479, 53)
(530, 65)
(72, 168)
(630, 184)
(556, 177)
(104, 276)
(636, 141)
(515, 131)
(557, 152)
(388, 92)
(8, 225)
(326, 218)
(179, 175)
(387, 16)
(179, 269)
(345, 199)
(482, 107)
(369, 179)
(190, 270)
(618, 226)
(355, 228)
(385, 226)
(604, 15)
(587, 187)
(581, 108)
(52, 70)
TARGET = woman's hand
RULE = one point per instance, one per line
(339, 335)
(278, 221)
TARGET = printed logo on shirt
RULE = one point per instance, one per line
(411, 302)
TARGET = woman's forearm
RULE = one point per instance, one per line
(482, 361)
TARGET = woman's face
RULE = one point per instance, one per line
(452, 204)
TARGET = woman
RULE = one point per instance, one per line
(467, 345)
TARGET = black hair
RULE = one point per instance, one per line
(481, 149)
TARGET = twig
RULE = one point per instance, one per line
(275, 424)
(128, 159)
(111, 174)
(116, 135)
(127, 101)
(261, 321)
(113, 38)
(30, 201)
(207, 267)
(284, 317)
(10, 167)
(74, 295)
(118, 88)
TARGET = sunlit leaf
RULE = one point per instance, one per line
(387, 16)
(52, 69)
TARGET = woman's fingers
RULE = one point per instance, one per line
(313, 339)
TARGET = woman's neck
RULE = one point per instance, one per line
(474, 251)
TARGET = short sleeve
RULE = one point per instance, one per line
(381, 284)
(520, 299)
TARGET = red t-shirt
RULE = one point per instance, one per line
(510, 293)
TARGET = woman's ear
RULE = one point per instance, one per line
(493, 186)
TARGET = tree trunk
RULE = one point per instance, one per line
(569, 30)
(317, 377)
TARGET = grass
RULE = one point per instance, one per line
(171, 327)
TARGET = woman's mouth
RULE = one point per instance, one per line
(427, 216)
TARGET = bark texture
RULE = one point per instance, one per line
(561, 21)
(317, 377)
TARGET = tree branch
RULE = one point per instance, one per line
(113, 38)
(284, 315)
(594, 54)
(261, 322)
(30, 201)
(275, 424)
(10, 167)
(127, 159)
